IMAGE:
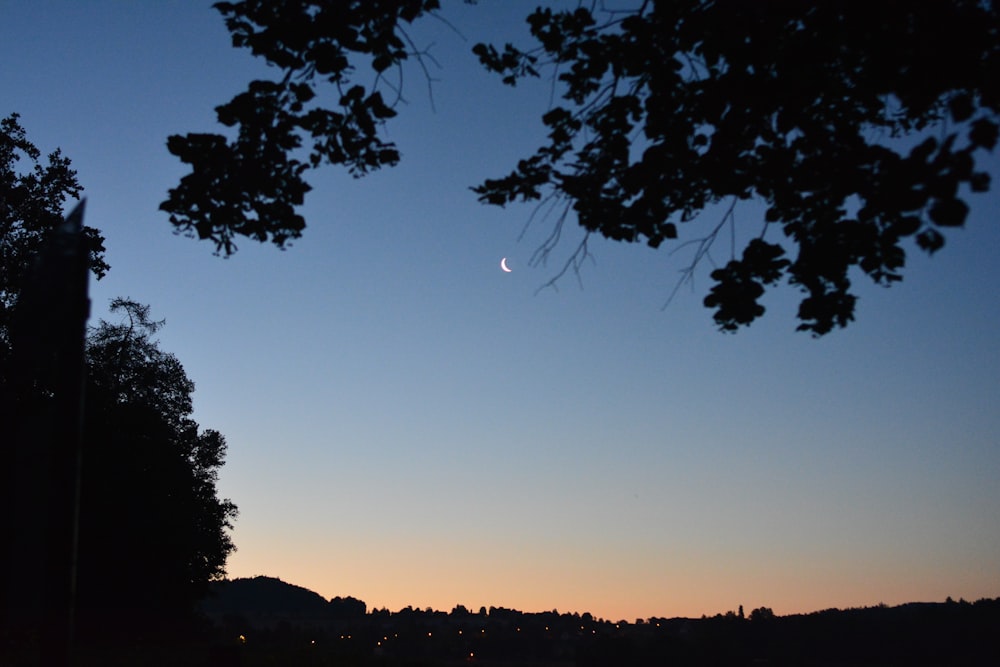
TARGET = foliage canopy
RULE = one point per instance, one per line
(150, 511)
(860, 126)
(152, 531)
(31, 202)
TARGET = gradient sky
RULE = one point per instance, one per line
(411, 426)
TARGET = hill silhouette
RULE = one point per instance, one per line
(268, 601)
(262, 595)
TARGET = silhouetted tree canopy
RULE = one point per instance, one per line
(860, 126)
(250, 186)
(32, 195)
(153, 531)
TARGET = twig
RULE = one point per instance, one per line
(553, 198)
(574, 261)
(420, 55)
(704, 245)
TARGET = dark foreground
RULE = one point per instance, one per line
(948, 633)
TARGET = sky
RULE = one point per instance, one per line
(409, 425)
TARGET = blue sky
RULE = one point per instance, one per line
(409, 425)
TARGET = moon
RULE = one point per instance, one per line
(503, 265)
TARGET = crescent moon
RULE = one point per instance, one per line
(503, 265)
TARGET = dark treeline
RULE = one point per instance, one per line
(266, 621)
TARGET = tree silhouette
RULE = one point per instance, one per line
(153, 532)
(43, 277)
(859, 126)
(31, 201)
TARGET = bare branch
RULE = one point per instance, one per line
(420, 55)
(541, 254)
(551, 199)
(574, 262)
(449, 24)
(702, 252)
(395, 88)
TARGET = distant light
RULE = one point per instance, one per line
(243, 639)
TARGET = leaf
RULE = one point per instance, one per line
(906, 225)
(984, 133)
(961, 107)
(979, 181)
(764, 260)
(378, 107)
(303, 92)
(949, 212)
(924, 149)
(930, 240)
(381, 63)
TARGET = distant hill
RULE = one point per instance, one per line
(262, 595)
(271, 596)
